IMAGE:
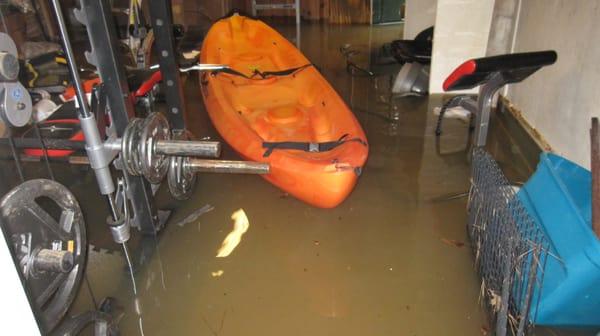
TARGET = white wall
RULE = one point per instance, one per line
(420, 14)
(17, 316)
(461, 32)
(503, 27)
(560, 100)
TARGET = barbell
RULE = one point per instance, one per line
(146, 143)
(181, 176)
(149, 149)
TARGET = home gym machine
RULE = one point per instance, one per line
(415, 58)
(50, 250)
(510, 249)
(144, 147)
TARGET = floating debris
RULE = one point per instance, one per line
(240, 226)
(452, 242)
(217, 273)
(194, 215)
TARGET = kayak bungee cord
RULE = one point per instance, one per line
(262, 74)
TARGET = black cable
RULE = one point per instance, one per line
(44, 150)
(89, 287)
(16, 156)
(438, 127)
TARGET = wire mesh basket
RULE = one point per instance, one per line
(510, 248)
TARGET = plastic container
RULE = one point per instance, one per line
(558, 197)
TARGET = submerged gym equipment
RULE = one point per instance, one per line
(50, 247)
(415, 58)
(50, 252)
(534, 245)
(144, 144)
(511, 247)
(490, 73)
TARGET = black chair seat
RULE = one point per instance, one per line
(417, 50)
(513, 67)
(408, 51)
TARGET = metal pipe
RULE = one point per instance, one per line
(74, 160)
(113, 207)
(595, 164)
(16, 156)
(188, 148)
(44, 150)
(64, 35)
(224, 166)
(53, 261)
(204, 67)
(48, 143)
(176, 147)
(94, 144)
(164, 147)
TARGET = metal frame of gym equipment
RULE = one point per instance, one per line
(96, 16)
(510, 248)
(46, 243)
(144, 150)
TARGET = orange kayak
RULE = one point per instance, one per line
(271, 105)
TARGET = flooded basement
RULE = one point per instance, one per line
(393, 259)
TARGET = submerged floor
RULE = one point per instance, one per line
(393, 259)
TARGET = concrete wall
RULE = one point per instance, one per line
(502, 31)
(560, 100)
(461, 32)
(420, 14)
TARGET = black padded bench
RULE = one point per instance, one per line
(417, 50)
(491, 73)
(512, 68)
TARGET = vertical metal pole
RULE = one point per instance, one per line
(254, 11)
(486, 95)
(298, 33)
(93, 141)
(16, 156)
(105, 55)
(595, 164)
(507, 275)
(164, 46)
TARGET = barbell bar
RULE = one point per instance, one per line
(181, 176)
(146, 143)
(226, 166)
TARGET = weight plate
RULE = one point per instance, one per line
(43, 214)
(153, 166)
(181, 179)
(129, 147)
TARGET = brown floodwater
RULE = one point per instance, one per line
(393, 259)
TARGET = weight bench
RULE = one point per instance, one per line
(491, 73)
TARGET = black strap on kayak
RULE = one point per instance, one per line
(263, 74)
(313, 147)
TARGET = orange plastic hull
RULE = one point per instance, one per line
(298, 107)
